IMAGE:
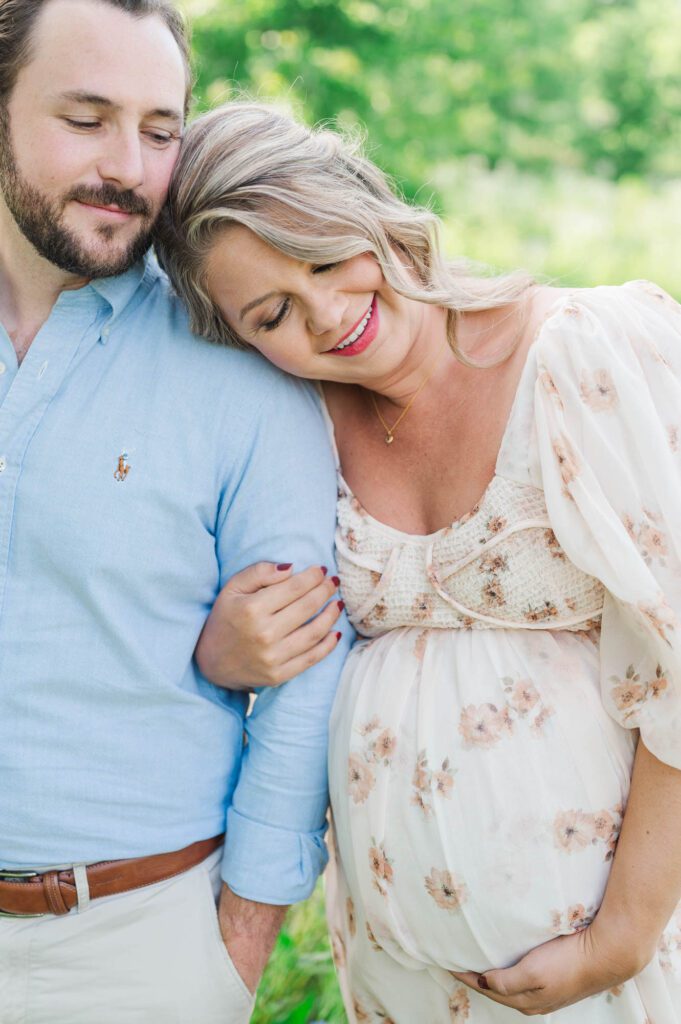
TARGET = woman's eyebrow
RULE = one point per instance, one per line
(256, 302)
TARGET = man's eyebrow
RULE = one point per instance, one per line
(256, 302)
(95, 100)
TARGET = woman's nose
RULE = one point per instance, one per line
(326, 312)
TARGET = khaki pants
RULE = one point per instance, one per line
(153, 956)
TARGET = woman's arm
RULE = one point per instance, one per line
(643, 889)
(645, 882)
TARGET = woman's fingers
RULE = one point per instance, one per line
(304, 647)
(304, 610)
(312, 656)
(257, 576)
(282, 594)
(499, 990)
(308, 636)
(510, 981)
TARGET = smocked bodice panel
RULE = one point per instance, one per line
(499, 566)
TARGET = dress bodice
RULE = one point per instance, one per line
(498, 566)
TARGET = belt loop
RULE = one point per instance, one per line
(53, 894)
(82, 887)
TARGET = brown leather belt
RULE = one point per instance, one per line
(28, 894)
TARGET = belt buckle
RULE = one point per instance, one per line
(19, 876)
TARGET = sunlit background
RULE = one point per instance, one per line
(546, 132)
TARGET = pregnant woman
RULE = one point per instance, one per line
(505, 759)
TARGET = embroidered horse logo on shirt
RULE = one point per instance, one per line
(123, 468)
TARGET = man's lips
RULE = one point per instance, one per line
(109, 211)
(366, 337)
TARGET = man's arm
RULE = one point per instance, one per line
(279, 507)
(249, 930)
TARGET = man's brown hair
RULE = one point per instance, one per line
(18, 18)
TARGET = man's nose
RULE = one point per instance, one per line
(122, 162)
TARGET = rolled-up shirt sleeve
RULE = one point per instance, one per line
(281, 508)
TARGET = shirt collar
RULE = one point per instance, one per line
(108, 297)
(118, 291)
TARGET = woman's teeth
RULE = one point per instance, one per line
(357, 333)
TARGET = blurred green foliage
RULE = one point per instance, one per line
(570, 228)
(547, 132)
(589, 85)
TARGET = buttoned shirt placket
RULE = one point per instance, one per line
(26, 391)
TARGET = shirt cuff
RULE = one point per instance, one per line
(271, 865)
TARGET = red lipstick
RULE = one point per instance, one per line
(365, 338)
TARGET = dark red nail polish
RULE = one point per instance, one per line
(284, 566)
(341, 605)
(335, 581)
(482, 982)
(324, 570)
(338, 636)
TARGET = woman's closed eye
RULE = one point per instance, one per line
(322, 268)
(283, 311)
(278, 318)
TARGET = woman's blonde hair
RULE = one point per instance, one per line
(311, 194)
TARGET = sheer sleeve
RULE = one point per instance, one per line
(607, 409)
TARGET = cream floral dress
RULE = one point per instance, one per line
(485, 728)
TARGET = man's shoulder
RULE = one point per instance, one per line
(177, 350)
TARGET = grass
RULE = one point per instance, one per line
(569, 228)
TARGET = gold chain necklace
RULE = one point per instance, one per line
(390, 431)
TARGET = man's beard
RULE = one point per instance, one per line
(40, 219)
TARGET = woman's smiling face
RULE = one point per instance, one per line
(326, 322)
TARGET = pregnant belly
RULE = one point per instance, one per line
(478, 787)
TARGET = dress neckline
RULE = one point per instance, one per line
(526, 374)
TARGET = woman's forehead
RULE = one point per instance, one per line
(240, 267)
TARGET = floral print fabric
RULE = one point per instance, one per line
(608, 421)
(483, 735)
(500, 565)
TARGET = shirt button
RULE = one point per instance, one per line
(3, 463)
(2, 368)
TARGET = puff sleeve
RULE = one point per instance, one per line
(607, 407)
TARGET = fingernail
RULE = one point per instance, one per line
(338, 636)
(324, 570)
(483, 982)
(284, 566)
(341, 605)
(335, 581)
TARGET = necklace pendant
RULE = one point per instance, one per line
(389, 438)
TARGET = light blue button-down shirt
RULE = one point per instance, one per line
(140, 468)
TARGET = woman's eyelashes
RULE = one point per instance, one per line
(270, 325)
(282, 313)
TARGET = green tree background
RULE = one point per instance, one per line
(546, 132)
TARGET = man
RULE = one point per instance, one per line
(140, 468)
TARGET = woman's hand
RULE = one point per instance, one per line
(259, 631)
(563, 971)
